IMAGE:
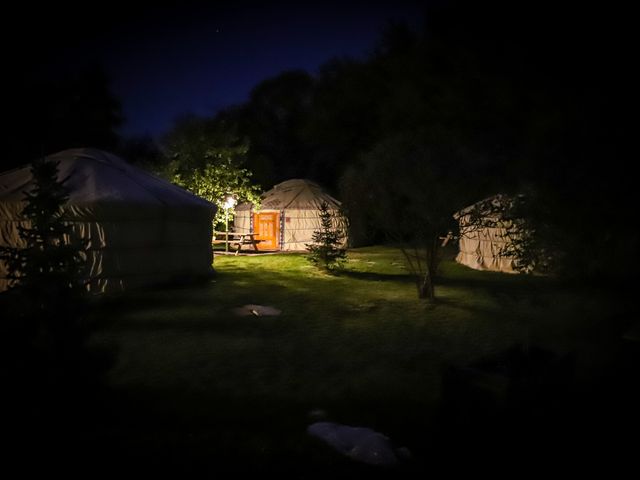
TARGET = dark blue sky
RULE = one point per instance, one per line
(170, 61)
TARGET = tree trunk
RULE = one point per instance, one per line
(426, 287)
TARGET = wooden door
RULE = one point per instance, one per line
(267, 227)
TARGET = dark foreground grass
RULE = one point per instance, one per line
(500, 369)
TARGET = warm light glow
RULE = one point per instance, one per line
(230, 202)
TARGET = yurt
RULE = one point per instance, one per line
(140, 230)
(484, 242)
(289, 214)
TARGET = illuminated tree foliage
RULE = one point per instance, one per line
(207, 158)
(216, 180)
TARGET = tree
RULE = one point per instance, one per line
(409, 186)
(206, 157)
(142, 151)
(60, 111)
(326, 251)
(344, 120)
(274, 119)
(48, 268)
(556, 108)
(46, 283)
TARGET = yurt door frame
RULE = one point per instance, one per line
(266, 223)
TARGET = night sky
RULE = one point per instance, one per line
(197, 58)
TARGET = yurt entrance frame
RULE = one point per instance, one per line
(267, 224)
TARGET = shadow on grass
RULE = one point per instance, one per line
(456, 304)
(377, 277)
(502, 283)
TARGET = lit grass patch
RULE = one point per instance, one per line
(359, 345)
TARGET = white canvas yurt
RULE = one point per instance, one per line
(141, 230)
(483, 241)
(289, 214)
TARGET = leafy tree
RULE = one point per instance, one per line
(326, 251)
(344, 120)
(60, 111)
(206, 157)
(408, 186)
(143, 151)
(274, 120)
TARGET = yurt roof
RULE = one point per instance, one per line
(98, 178)
(296, 194)
(485, 206)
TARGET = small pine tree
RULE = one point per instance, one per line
(50, 263)
(326, 251)
(45, 274)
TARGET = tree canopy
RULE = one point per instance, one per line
(207, 158)
(48, 115)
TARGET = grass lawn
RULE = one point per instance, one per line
(194, 387)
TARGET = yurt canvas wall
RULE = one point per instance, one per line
(140, 229)
(483, 247)
(289, 214)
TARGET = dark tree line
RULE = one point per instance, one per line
(490, 97)
(59, 110)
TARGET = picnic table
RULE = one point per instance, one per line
(236, 239)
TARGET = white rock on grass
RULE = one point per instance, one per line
(256, 310)
(359, 443)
